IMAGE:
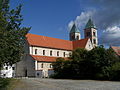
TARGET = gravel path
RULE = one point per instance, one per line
(58, 84)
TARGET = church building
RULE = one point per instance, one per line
(42, 51)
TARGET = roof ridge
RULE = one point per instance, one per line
(48, 37)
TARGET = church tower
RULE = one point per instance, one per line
(74, 33)
(90, 31)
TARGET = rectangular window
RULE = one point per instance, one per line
(94, 34)
(50, 53)
(64, 54)
(35, 51)
(57, 53)
(43, 52)
(42, 65)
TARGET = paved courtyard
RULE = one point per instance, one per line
(59, 84)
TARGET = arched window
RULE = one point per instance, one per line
(77, 37)
(50, 53)
(57, 53)
(64, 54)
(35, 51)
(43, 52)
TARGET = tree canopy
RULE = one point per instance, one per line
(99, 63)
(12, 34)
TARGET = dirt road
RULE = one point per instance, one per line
(59, 84)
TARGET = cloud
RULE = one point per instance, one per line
(111, 36)
(106, 16)
(81, 20)
(70, 25)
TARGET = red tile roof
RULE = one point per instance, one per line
(116, 49)
(45, 58)
(43, 41)
(80, 43)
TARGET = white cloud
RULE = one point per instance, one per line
(106, 16)
(81, 20)
(70, 25)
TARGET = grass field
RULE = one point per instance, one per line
(8, 83)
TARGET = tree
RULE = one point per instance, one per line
(12, 35)
(115, 72)
(103, 59)
(58, 67)
(78, 63)
(99, 63)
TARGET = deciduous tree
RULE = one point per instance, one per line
(12, 35)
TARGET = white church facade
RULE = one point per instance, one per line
(42, 51)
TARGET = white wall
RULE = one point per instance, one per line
(77, 34)
(94, 37)
(44, 69)
(47, 52)
(7, 71)
(89, 45)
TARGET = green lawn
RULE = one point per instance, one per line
(8, 83)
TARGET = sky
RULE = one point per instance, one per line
(54, 18)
